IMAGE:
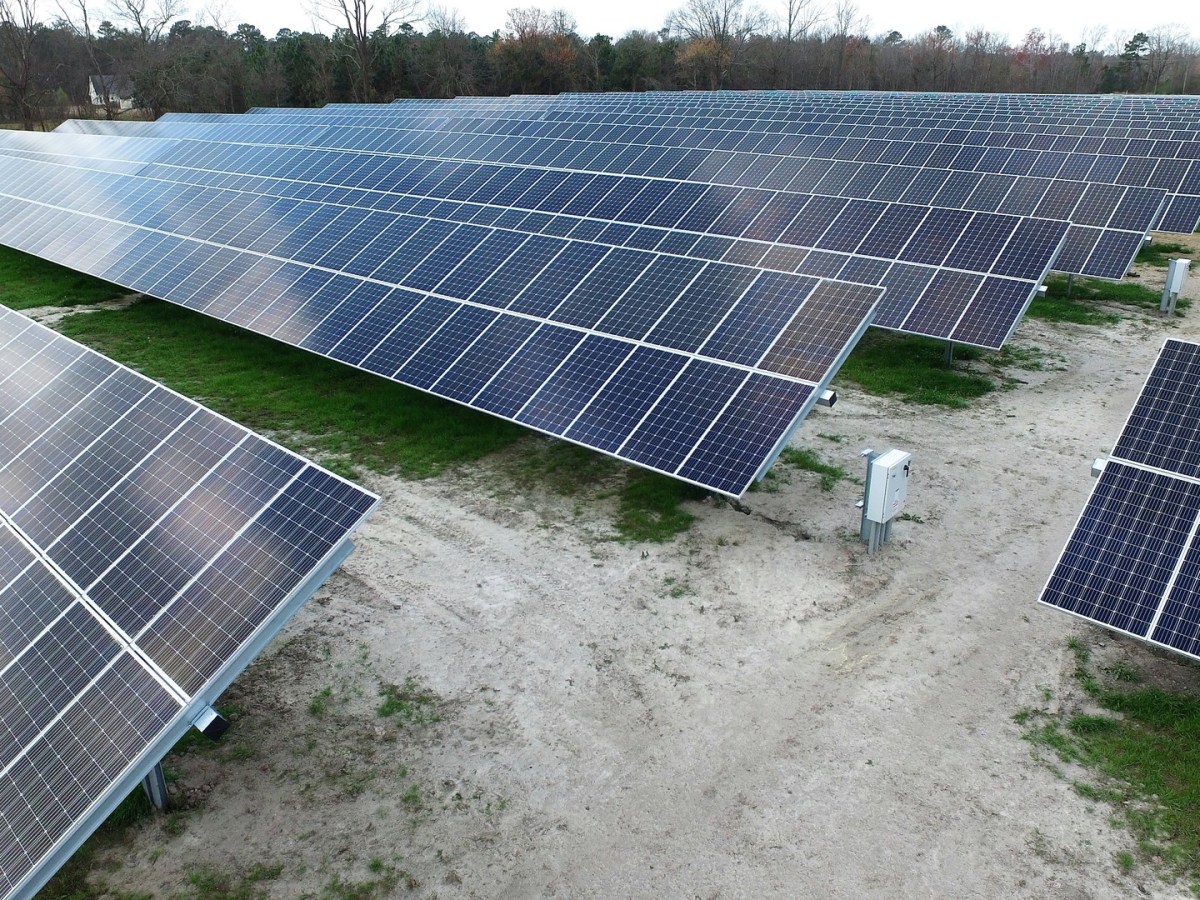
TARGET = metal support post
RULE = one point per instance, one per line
(155, 786)
(949, 357)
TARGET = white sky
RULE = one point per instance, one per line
(1071, 20)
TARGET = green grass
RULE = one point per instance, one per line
(410, 703)
(214, 884)
(348, 417)
(1160, 253)
(1143, 749)
(650, 507)
(1086, 305)
(914, 369)
(810, 461)
(28, 281)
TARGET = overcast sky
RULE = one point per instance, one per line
(1071, 20)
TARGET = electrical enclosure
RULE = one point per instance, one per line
(887, 487)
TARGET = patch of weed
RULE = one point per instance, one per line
(650, 507)
(319, 705)
(410, 703)
(1085, 304)
(914, 369)
(810, 461)
(1160, 253)
(28, 281)
(1144, 753)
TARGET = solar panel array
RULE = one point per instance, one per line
(148, 549)
(964, 275)
(1133, 561)
(1112, 189)
(696, 368)
(486, 249)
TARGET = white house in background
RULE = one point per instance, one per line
(120, 92)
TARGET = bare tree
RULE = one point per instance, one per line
(798, 19)
(720, 26)
(18, 43)
(147, 22)
(361, 20)
(1167, 44)
(75, 17)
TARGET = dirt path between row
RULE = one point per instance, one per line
(757, 709)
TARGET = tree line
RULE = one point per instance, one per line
(363, 51)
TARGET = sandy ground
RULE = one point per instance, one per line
(757, 709)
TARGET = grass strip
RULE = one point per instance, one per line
(1143, 751)
(914, 369)
(27, 282)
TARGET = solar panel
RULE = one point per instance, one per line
(494, 343)
(149, 549)
(1007, 149)
(1108, 221)
(1132, 562)
(607, 208)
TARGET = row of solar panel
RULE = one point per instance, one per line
(753, 158)
(1110, 220)
(789, 113)
(652, 406)
(143, 542)
(1133, 561)
(980, 308)
(731, 132)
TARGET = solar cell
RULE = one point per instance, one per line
(148, 550)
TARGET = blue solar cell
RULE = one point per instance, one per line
(649, 297)
(363, 331)
(979, 247)
(934, 237)
(626, 397)
(403, 342)
(732, 450)
(602, 288)
(1030, 250)
(446, 345)
(776, 216)
(566, 392)
(517, 382)
(1178, 624)
(893, 230)
(412, 251)
(993, 313)
(1182, 215)
(942, 304)
(515, 274)
(479, 364)
(823, 329)
(553, 283)
(755, 323)
(1113, 254)
(852, 225)
(688, 323)
(429, 273)
(705, 211)
(281, 308)
(741, 211)
(1117, 563)
(684, 413)
(484, 261)
(1163, 430)
(813, 221)
(150, 571)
